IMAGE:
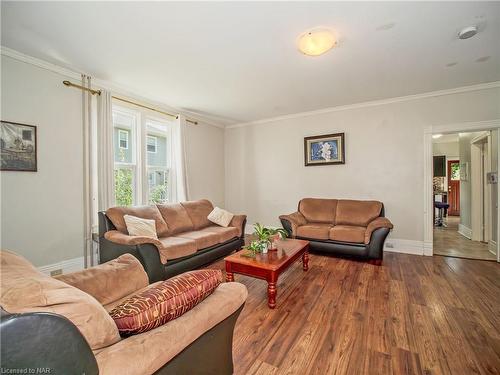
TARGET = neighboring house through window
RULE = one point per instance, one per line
(123, 138)
(152, 143)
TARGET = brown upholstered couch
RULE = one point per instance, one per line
(340, 226)
(186, 238)
(63, 324)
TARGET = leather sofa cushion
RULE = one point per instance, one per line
(115, 214)
(224, 234)
(202, 238)
(176, 217)
(348, 233)
(176, 247)
(24, 289)
(317, 210)
(198, 212)
(109, 281)
(147, 352)
(358, 213)
(164, 302)
(320, 231)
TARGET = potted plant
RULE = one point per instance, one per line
(255, 247)
(269, 235)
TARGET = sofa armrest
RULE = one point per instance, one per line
(379, 222)
(292, 222)
(239, 222)
(41, 340)
(125, 239)
(109, 281)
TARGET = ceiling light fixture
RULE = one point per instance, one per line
(467, 32)
(316, 42)
(436, 136)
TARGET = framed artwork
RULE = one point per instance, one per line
(18, 147)
(324, 149)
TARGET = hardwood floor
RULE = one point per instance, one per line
(448, 242)
(413, 315)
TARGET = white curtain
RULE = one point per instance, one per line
(179, 162)
(105, 153)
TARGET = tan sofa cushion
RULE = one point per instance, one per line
(224, 234)
(320, 231)
(24, 289)
(198, 212)
(167, 301)
(316, 210)
(176, 217)
(348, 233)
(145, 353)
(202, 238)
(358, 213)
(176, 247)
(109, 281)
(115, 214)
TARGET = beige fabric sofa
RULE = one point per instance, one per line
(85, 297)
(186, 238)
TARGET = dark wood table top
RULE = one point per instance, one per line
(274, 259)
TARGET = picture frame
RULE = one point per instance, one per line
(18, 147)
(324, 149)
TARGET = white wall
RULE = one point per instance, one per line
(266, 176)
(41, 213)
(449, 149)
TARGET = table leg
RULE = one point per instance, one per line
(271, 294)
(229, 273)
(305, 260)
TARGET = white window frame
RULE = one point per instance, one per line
(139, 165)
(120, 132)
(156, 143)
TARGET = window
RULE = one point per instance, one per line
(142, 147)
(123, 138)
(151, 144)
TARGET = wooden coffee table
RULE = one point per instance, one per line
(268, 266)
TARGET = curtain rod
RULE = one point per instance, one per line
(98, 92)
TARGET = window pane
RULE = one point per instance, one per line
(123, 139)
(124, 186)
(158, 186)
(151, 144)
(156, 144)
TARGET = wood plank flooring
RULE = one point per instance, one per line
(413, 315)
(448, 242)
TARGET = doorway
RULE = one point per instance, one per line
(462, 194)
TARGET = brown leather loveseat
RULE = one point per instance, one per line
(186, 238)
(340, 226)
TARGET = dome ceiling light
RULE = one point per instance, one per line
(467, 32)
(316, 42)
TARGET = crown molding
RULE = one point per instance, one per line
(125, 91)
(373, 103)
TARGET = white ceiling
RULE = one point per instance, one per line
(238, 62)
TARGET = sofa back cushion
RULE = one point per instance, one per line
(358, 213)
(176, 217)
(198, 212)
(115, 214)
(110, 281)
(24, 289)
(317, 210)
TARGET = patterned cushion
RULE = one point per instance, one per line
(166, 301)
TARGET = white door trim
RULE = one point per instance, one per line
(480, 220)
(428, 193)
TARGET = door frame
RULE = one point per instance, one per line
(480, 191)
(428, 208)
(449, 162)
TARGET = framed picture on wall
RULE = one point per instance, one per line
(18, 147)
(324, 149)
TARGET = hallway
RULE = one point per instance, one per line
(448, 242)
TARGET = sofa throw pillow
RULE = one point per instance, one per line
(165, 301)
(220, 217)
(137, 226)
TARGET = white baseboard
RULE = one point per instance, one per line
(464, 231)
(70, 265)
(395, 245)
